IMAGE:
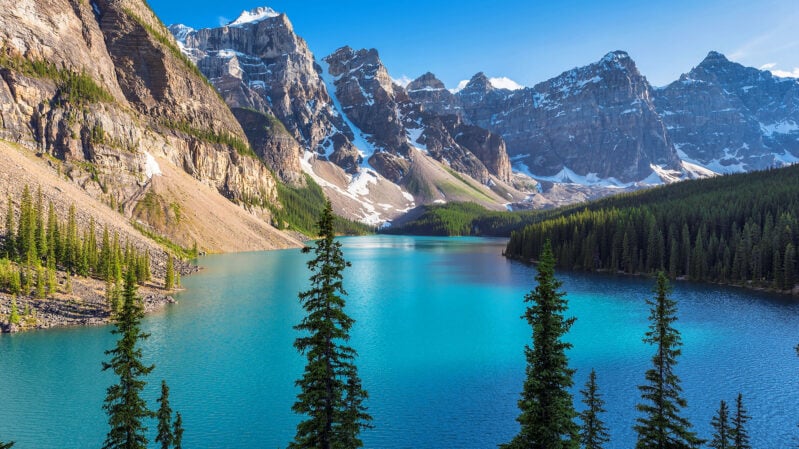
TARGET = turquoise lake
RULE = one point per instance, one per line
(440, 343)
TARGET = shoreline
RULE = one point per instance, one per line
(792, 293)
(85, 306)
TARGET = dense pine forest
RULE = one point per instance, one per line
(731, 229)
(38, 244)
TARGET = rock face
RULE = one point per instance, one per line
(732, 118)
(102, 86)
(595, 122)
(393, 119)
(258, 62)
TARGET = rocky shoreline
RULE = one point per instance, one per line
(85, 306)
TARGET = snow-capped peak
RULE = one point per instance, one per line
(180, 31)
(254, 15)
(503, 82)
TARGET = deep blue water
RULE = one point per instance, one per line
(440, 343)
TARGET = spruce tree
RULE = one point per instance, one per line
(547, 409)
(662, 426)
(177, 439)
(740, 436)
(123, 403)
(331, 397)
(593, 433)
(10, 243)
(721, 429)
(169, 278)
(165, 436)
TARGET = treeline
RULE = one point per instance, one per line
(730, 229)
(464, 219)
(39, 246)
(301, 207)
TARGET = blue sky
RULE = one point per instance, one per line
(529, 41)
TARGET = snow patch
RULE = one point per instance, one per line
(783, 127)
(365, 148)
(151, 167)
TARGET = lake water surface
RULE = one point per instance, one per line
(440, 343)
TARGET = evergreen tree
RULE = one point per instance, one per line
(593, 433)
(547, 409)
(331, 397)
(165, 436)
(169, 279)
(177, 439)
(739, 434)
(662, 426)
(13, 318)
(41, 230)
(41, 282)
(10, 243)
(721, 429)
(123, 403)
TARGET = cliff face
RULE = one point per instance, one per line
(102, 86)
(263, 65)
(732, 118)
(597, 121)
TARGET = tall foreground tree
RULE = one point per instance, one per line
(740, 436)
(165, 435)
(547, 409)
(593, 433)
(721, 428)
(123, 402)
(331, 396)
(662, 427)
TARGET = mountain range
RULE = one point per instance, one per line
(159, 122)
(592, 129)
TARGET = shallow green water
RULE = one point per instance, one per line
(441, 351)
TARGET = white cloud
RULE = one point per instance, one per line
(403, 81)
(223, 20)
(785, 74)
(460, 86)
(505, 83)
(772, 67)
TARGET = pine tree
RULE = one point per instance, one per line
(593, 433)
(177, 439)
(547, 409)
(41, 230)
(164, 415)
(123, 403)
(13, 318)
(739, 435)
(10, 243)
(169, 279)
(662, 426)
(721, 429)
(331, 397)
(41, 282)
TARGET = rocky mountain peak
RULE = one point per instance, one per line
(479, 83)
(254, 16)
(617, 60)
(428, 81)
